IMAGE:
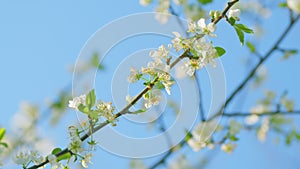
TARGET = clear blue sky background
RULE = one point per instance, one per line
(40, 39)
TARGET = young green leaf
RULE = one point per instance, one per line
(243, 28)
(289, 53)
(138, 111)
(220, 51)
(4, 144)
(95, 62)
(159, 85)
(282, 4)
(2, 133)
(56, 150)
(233, 138)
(64, 156)
(240, 35)
(205, 1)
(83, 108)
(91, 99)
(251, 47)
(188, 135)
(93, 115)
(231, 21)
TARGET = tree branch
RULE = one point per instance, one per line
(183, 142)
(223, 14)
(253, 71)
(125, 110)
(245, 114)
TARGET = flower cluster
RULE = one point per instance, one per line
(86, 159)
(153, 97)
(162, 11)
(106, 110)
(201, 135)
(76, 145)
(86, 104)
(77, 101)
(157, 72)
(25, 158)
(202, 51)
(55, 164)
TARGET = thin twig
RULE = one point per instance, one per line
(223, 14)
(245, 114)
(201, 109)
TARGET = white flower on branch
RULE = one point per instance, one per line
(153, 97)
(177, 41)
(207, 29)
(145, 2)
(228, 147)
(161, 53)
(191, 66)
(192, 27)
(294, 5)
(22, 158)
(167, 84)
(134, 75)
(77, 101)
(252, 119)
(201, 135)
(162, 11)
(106, 110)
(36, 157)
(263, 130)
(86, 159)
(53, 161)
(234, 127)
(76, 146)
(234, 13)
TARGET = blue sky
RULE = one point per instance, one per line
(40, 40)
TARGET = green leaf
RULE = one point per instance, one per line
(188, 135)
(64, 156)
(220, 51)
(244, 28)
(159, 85)
(56, 150)
(205, 1)
(93, 114)
(297, 136)
(240, 35)
(138, 111)
(2, 133)
(251, 47)
(95, 62)
(4, 144)
(233, 138)
(289, 53)
(231, 21)
(91, 99)
(282, 4)
(146, 95)
(84, 109)
(288, 139)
